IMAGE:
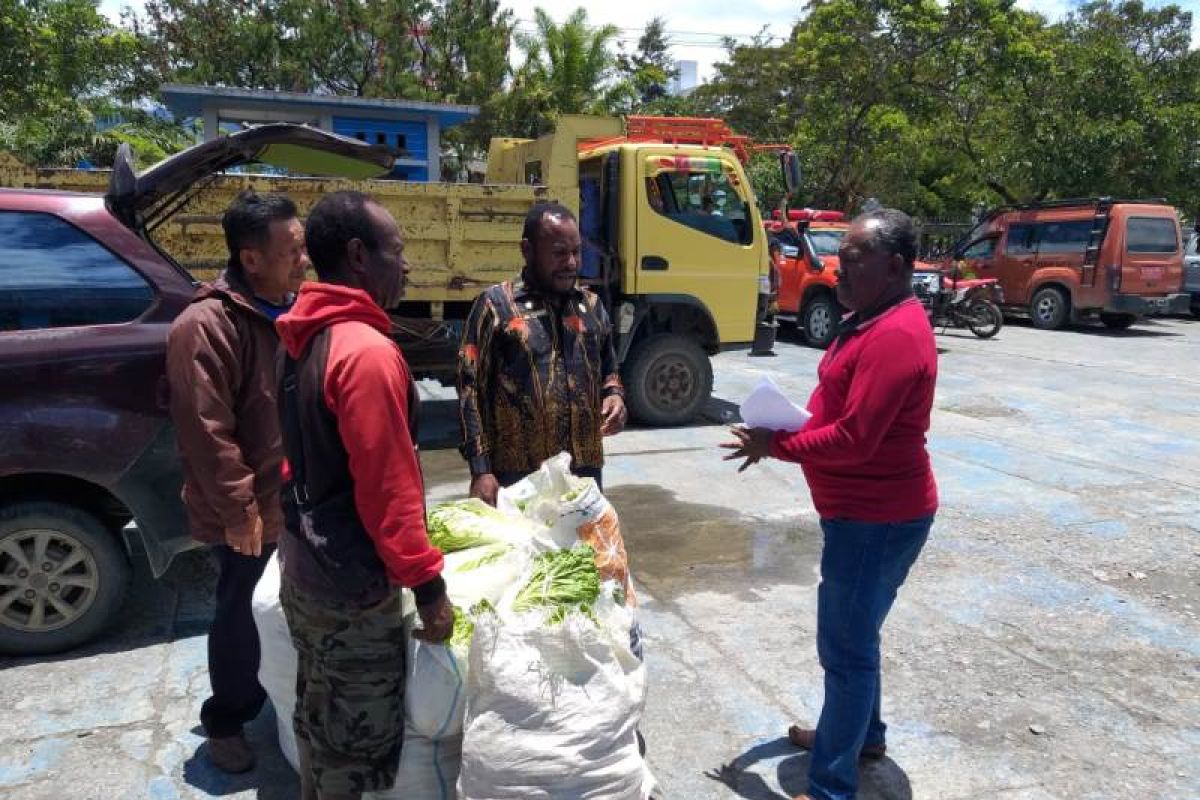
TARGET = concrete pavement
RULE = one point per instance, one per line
(1047, 644)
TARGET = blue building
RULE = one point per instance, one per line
(413, 129)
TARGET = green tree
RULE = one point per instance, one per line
(648, 71)
(464, 48)
(568, 68)
(249, 43)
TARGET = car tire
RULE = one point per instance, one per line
(63, 577)
(819, 320)
(1049, 309)
(668, 379)
(1117, 322)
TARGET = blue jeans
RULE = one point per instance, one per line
(863, 564)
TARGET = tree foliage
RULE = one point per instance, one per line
(936, 106)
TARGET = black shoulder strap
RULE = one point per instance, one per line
(293, 440)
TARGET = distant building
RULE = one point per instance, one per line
(686, 80)
(412, 129)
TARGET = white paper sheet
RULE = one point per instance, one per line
(768, 407)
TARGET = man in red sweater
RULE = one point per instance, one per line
(863, 455)
(354, 503)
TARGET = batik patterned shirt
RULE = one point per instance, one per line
(533, 371)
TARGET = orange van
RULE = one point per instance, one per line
(1068, 260)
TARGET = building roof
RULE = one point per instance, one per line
(186, 100)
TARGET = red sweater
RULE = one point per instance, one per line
(366, 387)
(863, 452)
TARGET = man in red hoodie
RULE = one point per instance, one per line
(354, 503)
(863, 454)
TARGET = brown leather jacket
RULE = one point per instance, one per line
(221, 369)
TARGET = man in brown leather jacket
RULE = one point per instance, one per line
(221, 367)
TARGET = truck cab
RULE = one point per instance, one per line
(808, 273)
(673, 244)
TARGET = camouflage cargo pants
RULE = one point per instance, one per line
(349, 719)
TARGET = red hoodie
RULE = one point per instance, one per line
(863, 451)
(366, 387)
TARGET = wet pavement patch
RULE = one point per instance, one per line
(678, 548)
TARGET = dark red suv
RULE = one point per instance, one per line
(86, 444)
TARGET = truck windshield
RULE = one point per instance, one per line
(826, 243)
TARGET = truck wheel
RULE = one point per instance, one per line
(668, 378)
(1117, 322)
(1049, 309)
(819, 321)
(63, 577)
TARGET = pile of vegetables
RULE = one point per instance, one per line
(562, 581)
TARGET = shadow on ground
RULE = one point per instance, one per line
(273, 777)
(878, 780)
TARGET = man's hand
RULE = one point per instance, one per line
(437, 621)
(246, 539)
(613, 415)
(753, 444)
(485, 487)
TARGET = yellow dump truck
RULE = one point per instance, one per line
(673, 242)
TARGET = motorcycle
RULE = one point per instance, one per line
(953, 300)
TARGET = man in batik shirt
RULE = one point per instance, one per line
(537, 371)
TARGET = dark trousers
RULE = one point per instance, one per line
(233, 652)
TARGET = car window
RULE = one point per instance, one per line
(826, 242)
(706, 200)
(52, 275)
(1022, 239)
(984, 248)
(1151, 235)
(1063, 237)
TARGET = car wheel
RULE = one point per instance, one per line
(1117, 322)
(668, 378)
(819, 321)
(1049, 309)
(63, 577)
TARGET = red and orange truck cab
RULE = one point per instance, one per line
(808, 265)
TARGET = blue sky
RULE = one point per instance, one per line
(697, 26)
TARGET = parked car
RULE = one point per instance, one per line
(1191, 270)
(86, 443)
(1071, 259)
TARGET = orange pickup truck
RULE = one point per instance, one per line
(808, 270)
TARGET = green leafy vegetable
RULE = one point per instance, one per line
(460, 639)
(562, 581)
(571, 495)
(464, 524)
(489, 555)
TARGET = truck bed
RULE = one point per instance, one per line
(460, 237)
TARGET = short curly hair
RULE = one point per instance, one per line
(334, 221)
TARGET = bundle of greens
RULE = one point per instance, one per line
(464, 524)
(562, 581)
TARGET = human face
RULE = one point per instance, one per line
(866, 278)
(276, 269)
(554, 258)
(385, 270)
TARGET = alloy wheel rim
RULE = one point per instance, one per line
(48, 580)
